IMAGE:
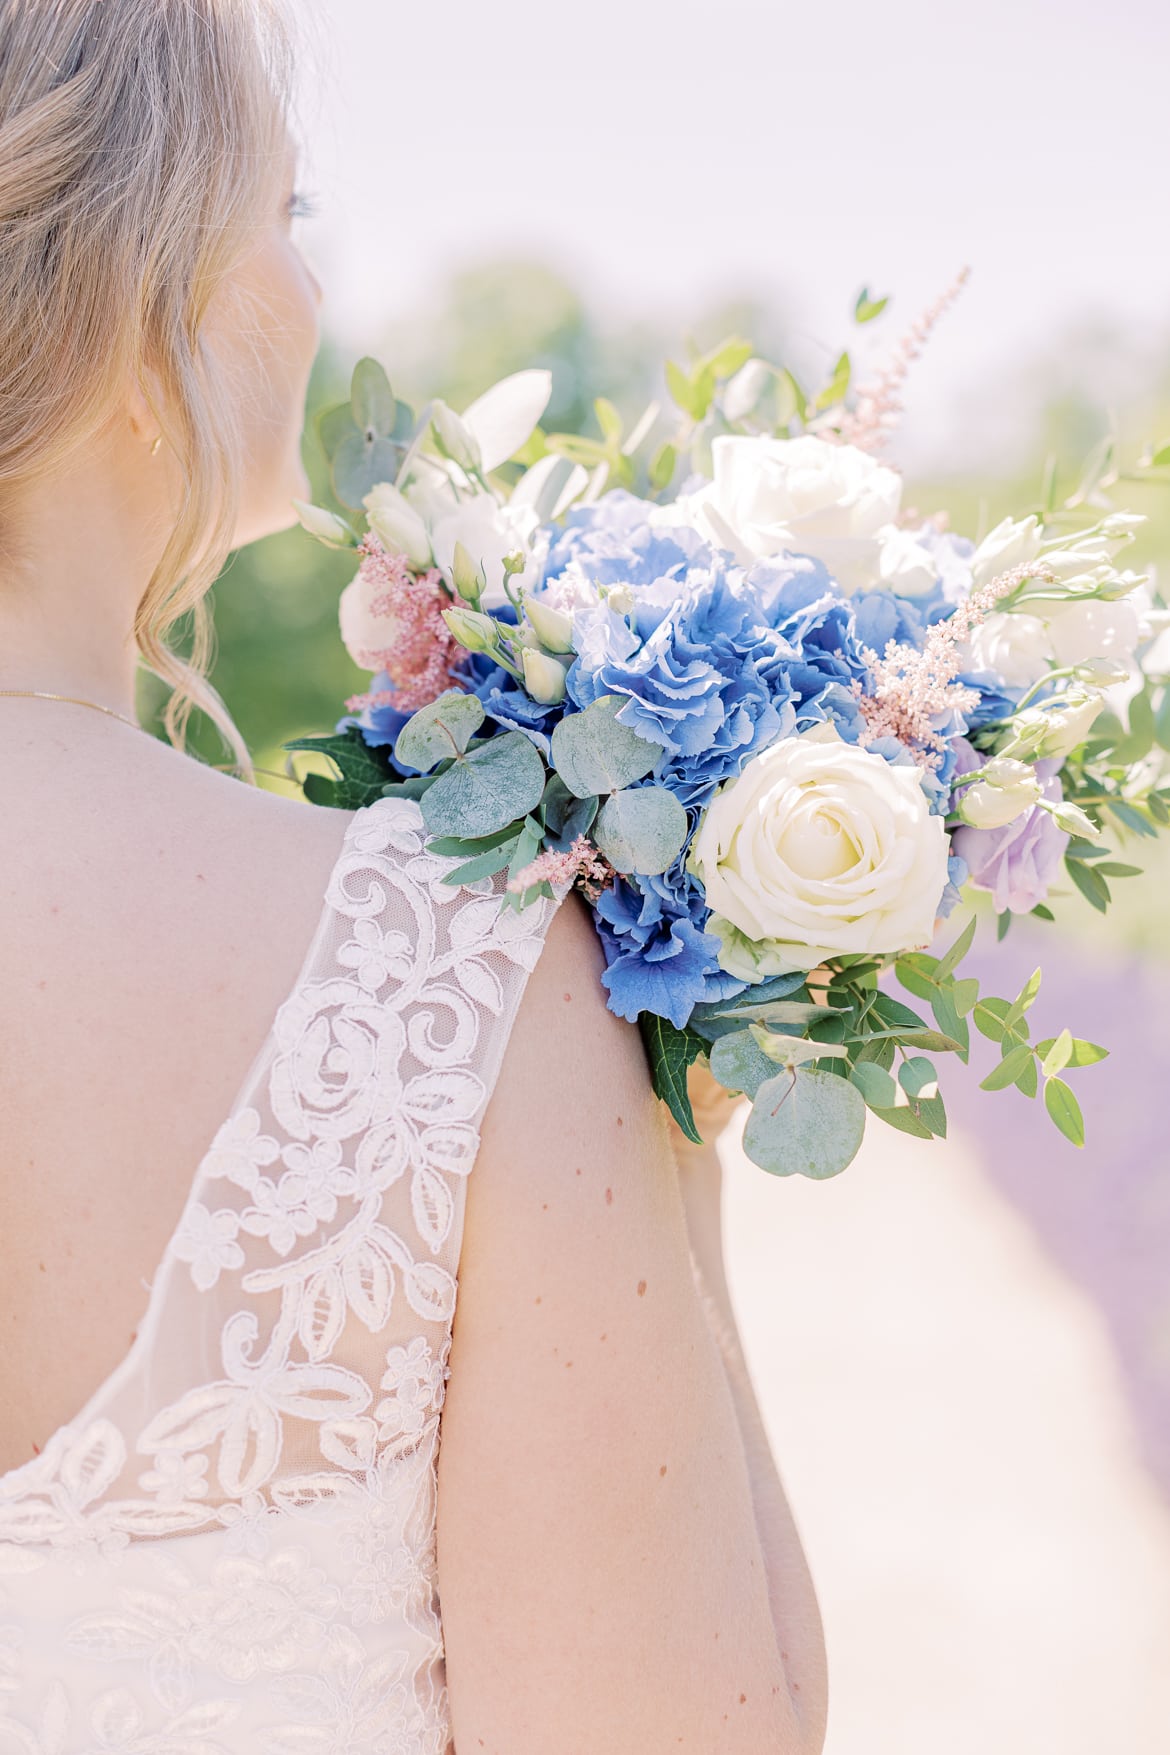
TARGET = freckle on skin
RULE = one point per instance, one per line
(742, 1698)
(621, 1123)
(578, 1173)
(568, 999)
(544, 1207)
(662, 1471)
(609, 1197)
(603, 1337)
(641, 1288)
(536, 1300)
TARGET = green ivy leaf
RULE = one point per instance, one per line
(671, 1052)
(363, 774)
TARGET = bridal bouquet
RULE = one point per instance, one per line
(769, 722)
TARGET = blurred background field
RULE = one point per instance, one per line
(964, 1351)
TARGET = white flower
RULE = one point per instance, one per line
(819, 848)
(1009, 790)
(368, 635)
(175, 1478)
(397, 525)
(489, 531)
(804, 496)
(326, 526)
(240, 1151)
(377, 956)
(1010, 544)
(1081, 631)
(208, 1242)
(288, 1209)
(1017, 647)
(544, 678)
(906, 567)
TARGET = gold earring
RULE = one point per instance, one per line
(155, 448)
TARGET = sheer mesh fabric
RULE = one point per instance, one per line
(232, 1547)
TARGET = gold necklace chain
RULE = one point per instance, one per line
(74, 700)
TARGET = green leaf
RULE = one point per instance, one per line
(916, 1076)
(594, 753)
(334, 425)
(374, 405)
(726, 359)
(565, 817)
(1132, 818)
(362, 463)
(837, 387)
(363, 773)
(679, 384)
(932, 1040)
(788, 1050)
(895, 1015)
(641, 830)
(952, 958)
(486, 790)
(670, 1053)
(913, 980)
(1065, 1111)
(662, 467)
(1058, 1055)
(988, 1018)
(805, 1123)
(461, 847)
(946, 1016)
(1162, 720)
(964, 995)
(609, 420)
(484, 865)
(1082, 1054)
(1003, 923)
(866, 309)
(1028, 1081)
(1093, 888)
(443, 728)
(1043, 913)
(1161, 457)
(792, 403)
(1009, 1068)
(1024, 1001)
(1139, 740)
(414, 788)
(905, 1121)
(932, 1112)
(739, 1063)
(875, 1084)
(319, 789)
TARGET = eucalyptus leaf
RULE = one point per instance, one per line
(1082, 1054)
(805, 1123)
(595, 754)
(360, 464)
(641, 830)
(486, 790)
(875, 1084)
(374, 405)
(740, 1064)
(1009, 1069)
(1065, 1111)
(565, 817)
(442, 728)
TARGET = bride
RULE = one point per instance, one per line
(250, 1051)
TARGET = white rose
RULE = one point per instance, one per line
(1015, 646)
(819, 848)
(1095, 629)
(1011, 544)
(367, 636)
(489, 531)
(906, 567)
(805, 496)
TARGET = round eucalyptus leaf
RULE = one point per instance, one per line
(593, 753)
(876, 1085)
(642, 830)
(375, 407)
(483, 792)
(442, 728)
(334, 425)
(805, 1123)
(740, 1064)
(360, 464)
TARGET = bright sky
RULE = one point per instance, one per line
(667, 152)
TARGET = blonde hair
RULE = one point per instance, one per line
(141, 144)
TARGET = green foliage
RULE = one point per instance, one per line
(444, 728)
(362, 774)
(641, 830)
(670, 1053)
(866, 309)
(486, 789)
(805, 1122)
(595, 754)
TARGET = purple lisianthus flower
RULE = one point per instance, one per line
(1018, 863)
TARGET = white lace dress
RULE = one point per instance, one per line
(232, 1547)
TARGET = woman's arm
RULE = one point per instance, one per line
(602, 1577)
(795, 1610)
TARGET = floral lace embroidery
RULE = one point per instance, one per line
(314, 1270)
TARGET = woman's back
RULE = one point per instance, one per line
(235, 1543)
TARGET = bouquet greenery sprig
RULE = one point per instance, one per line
(709, 672)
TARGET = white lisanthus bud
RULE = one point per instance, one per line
(398, 526)
(456, 439)
(475, 632)
(1008, 789)
(819, 848)
(1088, 629)
(1070, 719)
(1073, 820)
(552, 627)
(1015, 646)
(544, 678)
(327, 527)
(1011, 544)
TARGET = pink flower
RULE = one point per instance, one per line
(392, 620)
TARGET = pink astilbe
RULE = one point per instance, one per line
(912, 687)
(582, 864)
(422, 653)
(879, 404)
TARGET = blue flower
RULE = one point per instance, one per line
(659, 959)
